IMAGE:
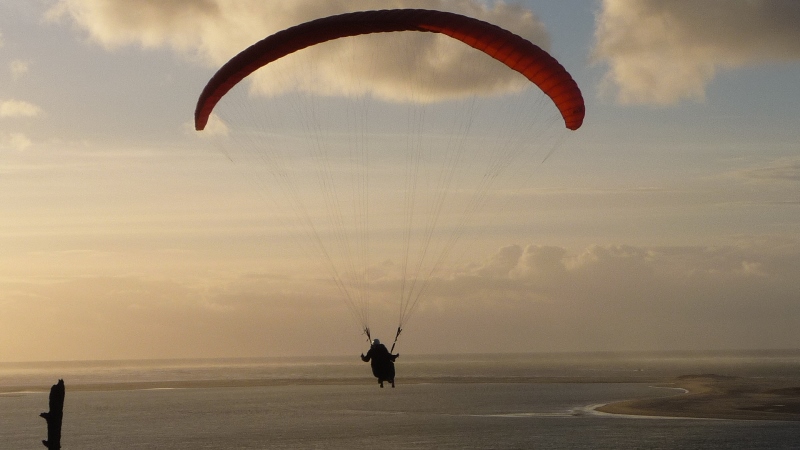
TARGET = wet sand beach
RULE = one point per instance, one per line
(720, 397)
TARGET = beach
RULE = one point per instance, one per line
(720, 397)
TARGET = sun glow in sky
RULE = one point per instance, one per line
(670, 220)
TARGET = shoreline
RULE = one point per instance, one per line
(711, 396)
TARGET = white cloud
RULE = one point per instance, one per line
(19, 108)
(19, 68)
(662, 51)
(215, 127)
(17, 141)
(212, 31)
(636, 298)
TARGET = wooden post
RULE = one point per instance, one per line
(54, 416)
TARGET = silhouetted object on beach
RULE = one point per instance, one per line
(54, 416)
(382, 362)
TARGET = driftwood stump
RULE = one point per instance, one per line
(54, 416)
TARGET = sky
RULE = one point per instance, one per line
(669, 221)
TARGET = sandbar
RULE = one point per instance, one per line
(719, 397)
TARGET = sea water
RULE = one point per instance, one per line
(467, 402)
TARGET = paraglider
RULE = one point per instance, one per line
(513, 51)
(382, 362)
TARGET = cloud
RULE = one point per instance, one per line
(215, 127)
(133, 317)
(17, 141)
(627, 298)
(779, 171)
(212, 31)
(532, 298)
(19, 108)
(662, 51)
(19, 68)
(502, 262)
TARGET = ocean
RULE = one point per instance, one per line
(441, 402)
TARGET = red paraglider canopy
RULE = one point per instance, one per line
(512, 50)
